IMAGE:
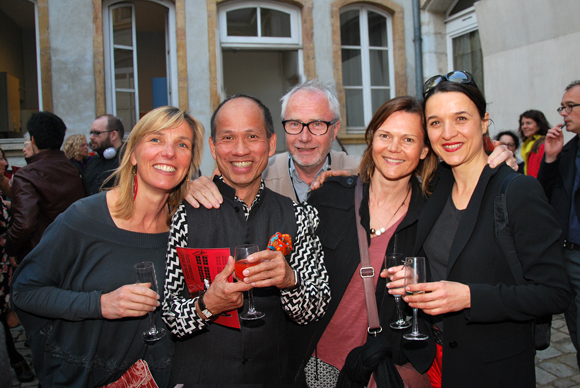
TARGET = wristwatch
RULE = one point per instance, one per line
(297, 281)
(202, 307)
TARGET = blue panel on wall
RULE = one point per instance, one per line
(159, 92)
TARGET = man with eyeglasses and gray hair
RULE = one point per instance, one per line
(560, 177)
(106, 139)
(311, 120)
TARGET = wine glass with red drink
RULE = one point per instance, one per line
(241, 255)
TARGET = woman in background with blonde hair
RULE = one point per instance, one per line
(76, 148)
(77, 299)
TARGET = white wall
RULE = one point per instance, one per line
(530, 55)
(196, 30)
(73, 73)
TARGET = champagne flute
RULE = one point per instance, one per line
(241, 255)
(415, 273)
(145, 273)
(393, 260)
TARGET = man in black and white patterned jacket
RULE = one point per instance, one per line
(289, 290)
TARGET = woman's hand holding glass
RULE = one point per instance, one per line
(396, 275)
(439, 297)
(131, 300)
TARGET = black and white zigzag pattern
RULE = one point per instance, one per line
(310, 300)
(303, 304)
(178, 313)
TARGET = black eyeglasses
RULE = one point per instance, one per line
(567, 108)
(97, 133)
(457, 76)
(318, 127)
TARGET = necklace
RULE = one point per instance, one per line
(378, 232)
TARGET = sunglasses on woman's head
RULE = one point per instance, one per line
(457, 76)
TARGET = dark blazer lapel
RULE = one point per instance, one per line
(568, 165)
(434, 206)
(469, 219)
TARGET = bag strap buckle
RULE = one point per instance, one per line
(367, 272)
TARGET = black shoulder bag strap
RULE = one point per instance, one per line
(503, 232)
(542, 334)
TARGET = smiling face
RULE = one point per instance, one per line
(242, 147)
(455, 129)
(307, 150)
(529, 127)
(398, 146)
(163, 159)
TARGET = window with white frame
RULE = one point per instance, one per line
(124, 63)
(366, 41)
(463, 44)
(140, 57)
(252, 23)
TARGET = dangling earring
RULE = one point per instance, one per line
(135, 183)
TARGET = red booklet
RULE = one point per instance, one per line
(200, 267)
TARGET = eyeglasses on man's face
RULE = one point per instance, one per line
(318, 127)
(97, 133)
(567, 108)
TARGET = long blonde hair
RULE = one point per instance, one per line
(155, 121)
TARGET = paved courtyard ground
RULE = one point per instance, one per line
(555, 367)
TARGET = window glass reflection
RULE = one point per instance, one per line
(350, 28)
(275, 23)
(242, 22)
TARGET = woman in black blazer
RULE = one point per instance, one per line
(484, 316)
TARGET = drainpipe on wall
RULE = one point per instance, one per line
(417, 40)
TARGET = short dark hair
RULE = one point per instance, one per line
(47, 129)
(265, 111)
(539, 118)
(114, 124)
(509, 133)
